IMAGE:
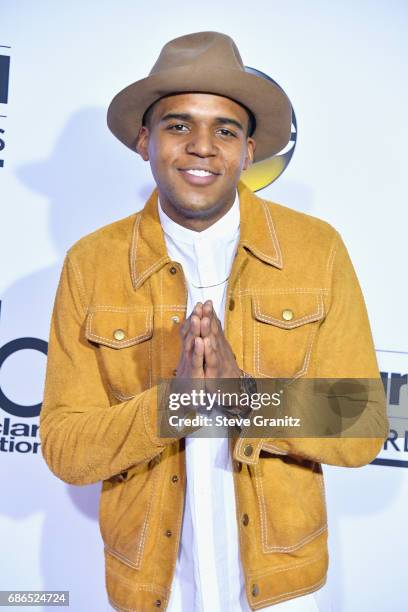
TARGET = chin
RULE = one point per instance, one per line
(195, 205)
(197, 212)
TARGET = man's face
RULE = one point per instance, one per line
(197, 146)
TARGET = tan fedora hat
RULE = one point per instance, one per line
(205, 62)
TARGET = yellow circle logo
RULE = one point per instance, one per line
(265, 172)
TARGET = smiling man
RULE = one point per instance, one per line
(197, 144)
(207, 282)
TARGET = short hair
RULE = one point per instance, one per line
(147, 115)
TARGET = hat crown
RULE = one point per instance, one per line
(205, 62)
(199, 49)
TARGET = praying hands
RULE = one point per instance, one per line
(206, 353)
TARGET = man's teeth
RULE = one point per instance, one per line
(199, 172)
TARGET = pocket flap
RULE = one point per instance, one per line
(288, 310)
(119, 328)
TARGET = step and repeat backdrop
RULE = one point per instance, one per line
(62, 175)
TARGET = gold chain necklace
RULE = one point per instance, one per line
(208, 286)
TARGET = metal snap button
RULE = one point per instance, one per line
(231, 305)
(248, 450)
(169, 533)
(173, 270)
(245, 519)
(175, 319)
(287, 314)
(174, 478)
(157, 603)
(119, 334)
(255, 590)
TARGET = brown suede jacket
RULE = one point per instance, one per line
(115, 334)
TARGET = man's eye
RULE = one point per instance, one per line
(178, 127)
(226, 132)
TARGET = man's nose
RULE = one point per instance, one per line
(201, 143)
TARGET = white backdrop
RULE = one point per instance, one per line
(343, 65)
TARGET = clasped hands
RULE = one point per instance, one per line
(205, 352)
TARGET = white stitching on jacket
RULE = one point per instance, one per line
(154, 265)
(119, 396)
(120, 343)
(268, 548)
(133, 248)
(270, 447)
(275, 291)
(304, 590)
(285, 568)
(142, 540)
(332, 254)
(315, 316)
(272, 231)
(306, 361)
(79, 280)
(111, 308)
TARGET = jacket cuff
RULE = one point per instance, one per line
(247, 450)
(155, 413)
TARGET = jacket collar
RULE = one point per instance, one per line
(148, 251)
(257, 230)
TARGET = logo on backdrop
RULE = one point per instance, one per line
(394, 368)
(264, 173)
(4, 92)
(15, 435)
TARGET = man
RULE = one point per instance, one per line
(207, 282)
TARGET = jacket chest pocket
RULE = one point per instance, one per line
(122, 337)
(284, 329)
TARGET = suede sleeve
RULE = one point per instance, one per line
(84, 438)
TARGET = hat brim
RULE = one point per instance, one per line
(266, 100)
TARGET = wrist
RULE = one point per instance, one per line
(246, 387)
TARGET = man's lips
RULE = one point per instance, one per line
(198, 176)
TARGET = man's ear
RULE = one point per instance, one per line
(251, 146)
(142, 144)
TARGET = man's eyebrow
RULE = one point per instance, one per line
(223, 120)
(188, 117)
(179, 116)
